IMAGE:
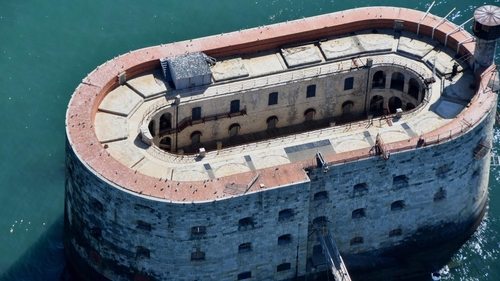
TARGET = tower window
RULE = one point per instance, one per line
(198, 230)
(360, 189)
(141, 252)
(143, 225)
(400, 181)
(273, 98)
(197, 255)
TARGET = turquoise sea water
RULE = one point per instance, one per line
(47, 47)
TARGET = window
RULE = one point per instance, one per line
(198, 230)
(284, 266)
(359, 213)
(96, 232)
(320, 221)
(395, 232)
(96, 205)
(165, 121)
(397, 81)
(141, 252)
(197, 255)
(311, 91)
(245, 223)
(414, 88)
(443, 170)
(321, 195)
(245, 247)
(398, 205)
(309, 114)
(400, 181)
(245, 275)
(347, 107)
(378, 80)
(195, 137)
(348, 83)
(285, 239)
(271, 122)
(273, 98)
(196, 113)
(285, 214)
(143, 225)
(234, 129)
(357, 240)
(394, 104)
(440, 195)
(360, 189)
(235, 106)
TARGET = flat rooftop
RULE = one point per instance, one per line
(450, 108)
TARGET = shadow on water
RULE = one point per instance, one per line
(44, 260)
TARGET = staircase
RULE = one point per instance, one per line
(332, 255)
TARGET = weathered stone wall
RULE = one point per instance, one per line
(443, 188)
(114, 231)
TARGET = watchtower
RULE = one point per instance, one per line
(487, 31)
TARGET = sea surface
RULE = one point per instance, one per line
(47, 47)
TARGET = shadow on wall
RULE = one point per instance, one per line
(44, 260)
(455, 97)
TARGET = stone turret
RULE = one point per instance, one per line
(487, 31)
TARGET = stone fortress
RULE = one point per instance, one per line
(282, 151)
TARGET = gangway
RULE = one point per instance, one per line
(332, 255)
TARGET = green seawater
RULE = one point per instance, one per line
(47, 47)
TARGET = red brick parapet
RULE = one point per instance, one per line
(89, 94)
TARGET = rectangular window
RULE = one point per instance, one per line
(197, 255)
(143, 225)
(196, 113)
(348, 83)
(245, 223)
(311, 91)
(142, 252)
(273, 98)
(235, 106)
(198, 230)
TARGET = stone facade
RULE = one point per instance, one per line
(126, 236)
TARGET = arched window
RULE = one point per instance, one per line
(398, 205)
(245, 247)
(378, 80)
(397, 81)
(195, 137)
(377, 106)
(414, 88)
(400, 181)
(166, 143)
(360, 189)
(234, 129)
(309, 114)
(165, 122)
(285, 239)
(271, 122)
(358, 213)
(320, 195)
(285, 215)
(245, 223)
(347, 107)
(395, 103)
(320, 221)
